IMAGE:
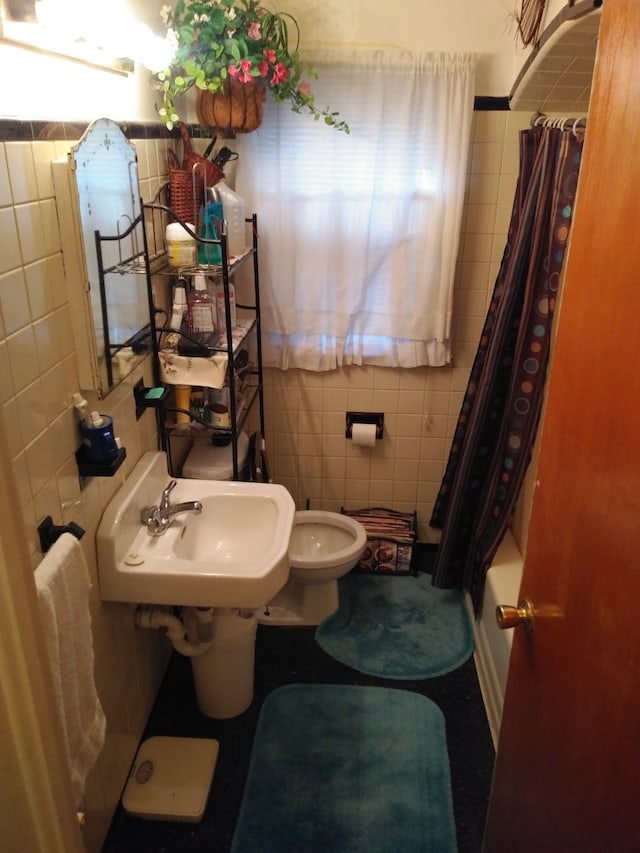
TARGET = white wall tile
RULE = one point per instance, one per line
(7, 388)
(22, 173)
(489, 126)
(23, 358)
(43, 153)
(39, 289)
(5, 186)
(10, 257)
(14, 304)
(486, 158)
(30, 232)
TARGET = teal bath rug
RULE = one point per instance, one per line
(347, 770)
(401, 628)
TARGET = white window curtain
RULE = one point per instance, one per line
(360, 232)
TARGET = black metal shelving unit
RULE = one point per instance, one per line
(227, 343)
(151, 262)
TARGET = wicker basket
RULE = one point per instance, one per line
(196, 162)
(186, 189)
(188, 179)
(238, 108)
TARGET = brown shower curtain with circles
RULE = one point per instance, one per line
(499, 416)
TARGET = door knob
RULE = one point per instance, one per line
(508, 616)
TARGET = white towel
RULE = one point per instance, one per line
(63, 584)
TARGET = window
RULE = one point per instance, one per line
(360, 232)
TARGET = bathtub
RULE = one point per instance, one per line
(493, 645)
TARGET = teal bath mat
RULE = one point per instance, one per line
(400, 628)
(348, 770)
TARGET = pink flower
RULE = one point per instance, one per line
(254, 32)
(263, 68)
(305, 89)
(270, 55)
(241, 72)
(280, 74)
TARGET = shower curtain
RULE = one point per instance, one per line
(497, 424)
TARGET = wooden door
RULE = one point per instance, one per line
(568, 759)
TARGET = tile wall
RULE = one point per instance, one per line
(38, 376)
(305, 412)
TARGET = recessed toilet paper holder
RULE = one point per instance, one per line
(376, 418)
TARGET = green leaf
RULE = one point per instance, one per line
(186, 34)
(233, 49)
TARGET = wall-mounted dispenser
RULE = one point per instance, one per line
(100, 454)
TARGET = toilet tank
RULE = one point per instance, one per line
(207, 461)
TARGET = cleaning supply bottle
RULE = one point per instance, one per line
(210, 253)
(179, 308)
(202, 311)
(181, 246)
(233, 208)
(221, 311)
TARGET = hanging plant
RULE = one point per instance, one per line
(216, 41)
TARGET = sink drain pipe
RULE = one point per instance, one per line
(153, 617)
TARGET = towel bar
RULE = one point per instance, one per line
(50, 532)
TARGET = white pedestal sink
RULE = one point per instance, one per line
(232, 554)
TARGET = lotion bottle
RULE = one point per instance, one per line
(82, 409)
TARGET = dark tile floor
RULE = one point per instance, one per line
(287, 656)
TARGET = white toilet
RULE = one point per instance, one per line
(324, 546)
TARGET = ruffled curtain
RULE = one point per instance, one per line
(360, 232)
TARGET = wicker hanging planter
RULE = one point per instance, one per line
(238, 108)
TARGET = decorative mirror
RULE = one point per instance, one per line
(103, 241)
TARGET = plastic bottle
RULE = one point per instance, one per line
(82, 409)
(202, 316)
(210, 253)
(179, 309)
(181, 246)
(219, 407)
(183, 402)
(233, 210)
(221, 308)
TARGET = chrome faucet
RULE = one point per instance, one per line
(158, 518)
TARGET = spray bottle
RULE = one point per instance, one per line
(210, 253)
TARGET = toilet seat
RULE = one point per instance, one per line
(324, 545)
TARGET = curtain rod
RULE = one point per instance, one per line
(575, 125)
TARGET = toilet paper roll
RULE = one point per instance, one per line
(364, 435)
